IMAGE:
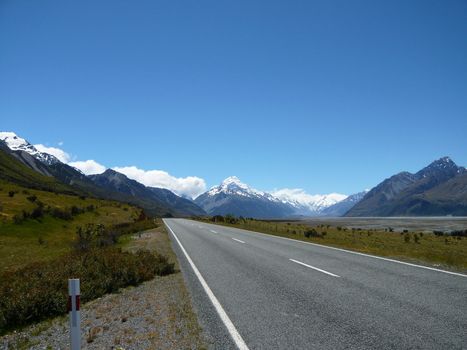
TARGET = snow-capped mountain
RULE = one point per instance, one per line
(16, 143)
(235, 197)
(307, 204)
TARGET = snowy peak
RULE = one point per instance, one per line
(308, 204)
(233, 186)
(16, 143)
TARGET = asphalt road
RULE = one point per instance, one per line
(262, 292)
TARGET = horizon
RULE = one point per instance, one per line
(323, 97)
(297, 194)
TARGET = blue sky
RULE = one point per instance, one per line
(328, 96)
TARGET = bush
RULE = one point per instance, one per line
(38, 212)
(11, 193)
(32, 198)
(39, 291)
(438, 233)
(311, 233)
(406, 238)
(459, 233)
(63, 214)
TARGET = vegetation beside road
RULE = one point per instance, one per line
(39, 290)
(435, 249)
(156, 314)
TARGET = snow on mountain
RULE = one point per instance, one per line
(16, 143)
(308, 204)
(233, 185)
(292, 201)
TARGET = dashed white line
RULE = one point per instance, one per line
(213, 231)
(238, 240)
(314, 268)
(357, 253)
(237, 338)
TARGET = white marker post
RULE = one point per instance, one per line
(73, 310)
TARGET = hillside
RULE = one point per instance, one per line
(37, 225)
(154, 201)
(15, 171)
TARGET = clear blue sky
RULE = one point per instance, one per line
(322, 95)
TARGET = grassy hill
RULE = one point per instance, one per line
(29, 234)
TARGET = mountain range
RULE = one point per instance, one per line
(438, 189)
(234, 197)
(109, 185)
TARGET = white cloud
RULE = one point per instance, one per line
(190, 186)
(88, 167)
(60, 143)
(57, 152)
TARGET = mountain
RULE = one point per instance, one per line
(434, 190)
(15, 171)
(109, 185)
(236, 198)
(155, 201)
(16, 143)
(342, 207)
(308, 205)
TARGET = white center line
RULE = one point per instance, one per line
(314, 268)
(213, 231)
(237, 338)
(238, 240)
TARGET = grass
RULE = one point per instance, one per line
(429, 249)
(48, 237)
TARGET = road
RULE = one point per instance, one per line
(255, 291)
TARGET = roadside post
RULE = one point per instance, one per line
(73, 311)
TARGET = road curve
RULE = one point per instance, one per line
(274, 293)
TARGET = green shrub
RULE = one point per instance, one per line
(39, 291)
(32, 198)
(311, 233)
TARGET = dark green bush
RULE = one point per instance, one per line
(311, 233)
(39, 291)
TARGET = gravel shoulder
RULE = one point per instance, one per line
(157, 314)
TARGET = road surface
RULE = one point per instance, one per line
(256, 291)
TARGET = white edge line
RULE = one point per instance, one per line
(237, 338)
(314, 268)
(238, 240)
(357, 253)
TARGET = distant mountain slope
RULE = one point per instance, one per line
(155, 201)
(431, 191)
(15, 171)
(342, 207)
(16, 143)
(236, 198)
